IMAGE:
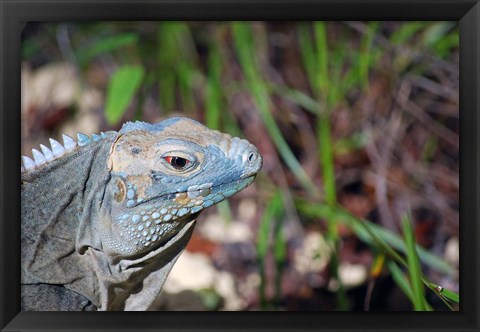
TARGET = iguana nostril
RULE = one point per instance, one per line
(252, 161)
(250, 155)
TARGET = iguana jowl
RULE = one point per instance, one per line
(105, 218)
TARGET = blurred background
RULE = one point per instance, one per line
(357, 205)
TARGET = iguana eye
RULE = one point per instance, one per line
(177, 162)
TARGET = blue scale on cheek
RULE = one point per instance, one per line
(207, 203)
(182, 212)
(130, 193)
(217, 198)
(135, 218)
(230, 192)
(130, 203)
(196, 209)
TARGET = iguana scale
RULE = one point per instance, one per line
(105, 218)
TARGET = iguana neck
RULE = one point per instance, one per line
(66, 192)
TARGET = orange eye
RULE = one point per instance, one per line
(177, 162)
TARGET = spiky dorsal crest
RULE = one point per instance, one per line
(57, 150)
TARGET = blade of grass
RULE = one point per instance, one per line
(445, 294)
(106, 45)
(298, 97)
(213, 100)
(414, 267)
(325, 151)
(406, 31)
(308, 55)
(244, 46)
(364, 55)
(186, 61)
(279, 254)
(402, 281)
(166, 74)
(321, 77)
(123, 85)
(273, 209)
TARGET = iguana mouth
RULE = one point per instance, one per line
(203, 190)
(206, 189)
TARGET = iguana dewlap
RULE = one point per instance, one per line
(105, 218)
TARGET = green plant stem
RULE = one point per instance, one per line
(244, 47)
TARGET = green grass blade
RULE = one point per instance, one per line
(406, 31)
(308, 56)
(326, 158)
(279, 254)
(258, 89)
(402, 281)
(166, 61)
(225, 211)
(414, 267)
(365, 55)
(321, 76)
(123, 85)
(444, 293)
(213, 100)
(106, 45)
(273, 210)
(452, 296)
(297, 97)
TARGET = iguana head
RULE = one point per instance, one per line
(164, 174)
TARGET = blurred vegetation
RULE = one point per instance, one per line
(357, 123)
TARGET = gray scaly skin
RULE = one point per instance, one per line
(105, 218)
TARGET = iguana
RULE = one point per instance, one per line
(104, 218)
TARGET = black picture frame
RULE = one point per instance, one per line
(14, 12)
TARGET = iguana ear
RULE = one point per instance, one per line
(120, 190)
